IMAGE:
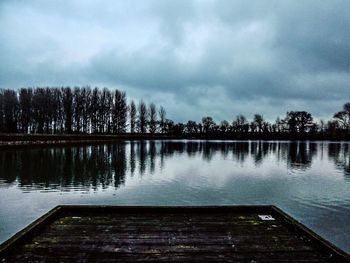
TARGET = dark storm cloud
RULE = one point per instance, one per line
(216, 58)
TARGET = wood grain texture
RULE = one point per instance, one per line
(168, 234)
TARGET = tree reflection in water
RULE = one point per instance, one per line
(92, 167)
(339, 153)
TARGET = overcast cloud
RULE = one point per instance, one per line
(196, 58)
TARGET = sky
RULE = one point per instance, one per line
(195, 57)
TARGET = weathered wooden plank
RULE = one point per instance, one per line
(219, 216)
(162, 248)
(173, 257)
(115, 240)
(169, 234)
(170, 228)
(172, 222)
(166, 238)
(207, 210)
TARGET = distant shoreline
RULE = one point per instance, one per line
(23, 140)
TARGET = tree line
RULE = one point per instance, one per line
(66, 110)
(76, 111)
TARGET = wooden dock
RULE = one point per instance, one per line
(168, 234)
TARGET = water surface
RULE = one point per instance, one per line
(308, 180)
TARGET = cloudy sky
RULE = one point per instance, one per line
(195, 57)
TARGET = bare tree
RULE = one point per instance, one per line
(162, 118)
(208, 124)
(10, 111)
(322, 126)
(142, 117)
(86, 101)
(39, 110)
(48, 112)
(298, 121)
(240, 125)
(169, 126)
(2, 116)
(152, 118)
(343, 117)
(93, 110)
(25, 108)
(77, 109)
(259, 120)
(279, 124)
(120, 112)
(191, 127)
(104, 110)
(68, 109)
(224, 126)
(132, 115)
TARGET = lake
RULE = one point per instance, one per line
(308, 180)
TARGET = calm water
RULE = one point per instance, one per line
(309, 180)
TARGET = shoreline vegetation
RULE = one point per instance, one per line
(23, 140)
(65, 115)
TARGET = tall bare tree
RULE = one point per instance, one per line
(132, 115)
(94, 110)
(10, 110)
(152, 118)
(39, 110)
(240, 124)
(68, 109)
(120, 112)
(2, 116)
(142, 117)
(86, 100)
(78, 105)
(25, 109)
(162, 119)
(259, 120)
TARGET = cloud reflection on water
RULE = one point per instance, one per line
(91, 167)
